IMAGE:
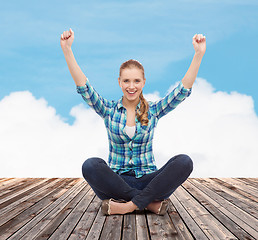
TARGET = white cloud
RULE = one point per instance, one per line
(218, 130)
(38, 143)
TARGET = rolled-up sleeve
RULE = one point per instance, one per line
(94, 100)
(171, 100)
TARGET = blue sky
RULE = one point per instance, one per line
(42, 115)
(107, 33)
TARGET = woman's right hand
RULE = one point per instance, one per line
(67, 38)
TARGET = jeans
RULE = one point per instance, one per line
(154, 186)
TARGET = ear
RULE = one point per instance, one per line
(119, 82)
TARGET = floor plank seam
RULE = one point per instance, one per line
(122, 228)
(147, 223)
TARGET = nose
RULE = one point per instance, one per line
(131, 85)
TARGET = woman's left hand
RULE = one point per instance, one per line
(199, 43)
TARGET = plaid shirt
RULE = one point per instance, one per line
(127, 153)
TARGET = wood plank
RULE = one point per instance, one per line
(48, 224)
(5, 179)
(239, 216)
(17, 223)
(58, 198)
(227, 218)
(250, 200)
(248, 191)
(180, 226)
(211, 226)
(248, 182)
(67, 208)
(233, 197)
(247, 186)
(142, 232)
(187, 218)
(6, 182)
(12, 203)
(161, 227)
(255, 180)
(87, 220)
(65, 229)
(97, 225)
(112, 227)
(20, 205)
(15, 185)
(12, 195)
(129, 227)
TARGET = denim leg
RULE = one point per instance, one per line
(164, 181)
(105, 182)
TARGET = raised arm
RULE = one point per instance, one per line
(66, 41)
(199, 43)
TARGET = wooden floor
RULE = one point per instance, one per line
(67, 208)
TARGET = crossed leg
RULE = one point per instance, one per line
(160, 184)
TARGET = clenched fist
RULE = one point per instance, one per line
(67, 38)
(199, 43)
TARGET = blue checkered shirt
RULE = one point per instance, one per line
(134, 153)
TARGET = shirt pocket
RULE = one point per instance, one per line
(145, 134)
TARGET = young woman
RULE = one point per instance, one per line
(131, 179)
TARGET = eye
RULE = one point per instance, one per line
(126, 80)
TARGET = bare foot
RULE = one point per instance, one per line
(154, 206)
(122, 208)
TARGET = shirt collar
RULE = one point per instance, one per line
(120, 104)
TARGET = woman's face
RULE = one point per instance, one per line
(131, 82)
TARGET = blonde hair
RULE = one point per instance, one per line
(142, 113)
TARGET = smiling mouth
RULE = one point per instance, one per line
(131, 92)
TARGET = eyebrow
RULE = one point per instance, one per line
(134, 79)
